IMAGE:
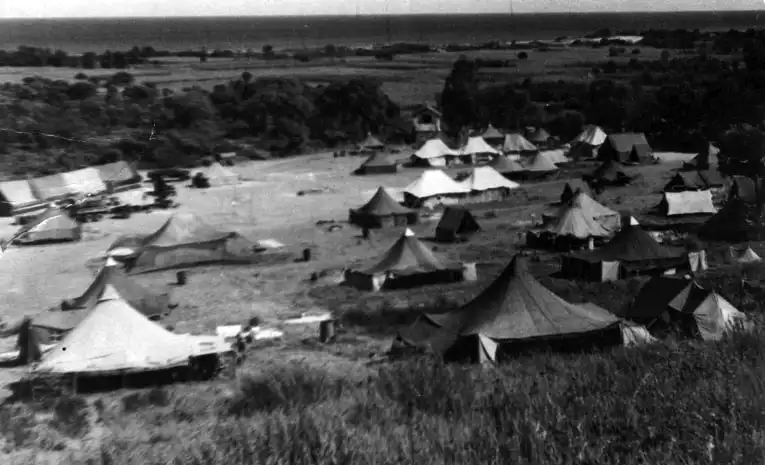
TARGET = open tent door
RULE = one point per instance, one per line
(487, 349)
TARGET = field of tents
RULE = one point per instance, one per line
(484, 253)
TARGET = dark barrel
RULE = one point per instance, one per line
(306, 255)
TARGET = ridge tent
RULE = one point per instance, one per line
(513, 312)
(687, 203)
(587, 143)
(184, 240)
(378, 163)
(694, 180)
(492, 135)
(516, 143)
(218, 175)
(17, 197)
(572, 187)
(744, 256)
(120, 175)
(485, 184)
(732, 223)
(539, 136)
(84, 181)
(434, 153)
(626, 147)
(51, 225)
(610, 173)
(456, 224)
(116, 338)
(505, 166)
(433, 187)
(371, 143)
(712, 317)
(50, 187)
(407, 263)
(631, 250)
(382, 211)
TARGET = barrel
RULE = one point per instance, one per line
(181, 276)
(326, 331)
(306, 255)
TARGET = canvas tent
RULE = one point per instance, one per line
(116, 338)
(382, 211)
(183, 240)
(433, 187)
(434, 152)
(371, 143)
(456, 223)
(50, 187)
(407, 263)
(84, 181)
(626, 147)
(513, 312)
(538, 136)
(610, 173)
(492, 135)
(53, 224)
(17, 197)
(218, 175)
(744, 256)
(572, 187)
(516, 143)
(631, 250)
(732, 223)
(706, 157)
(505, 166)
(540, 166)
(587, 143)
(687, 203)
(485, 184)
(120, 175)
(694, 180)
(578, 222)
(608, 218)
(378, 163)
(475, 150)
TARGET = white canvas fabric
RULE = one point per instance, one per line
(84, 181)
(555, 156)
(476, 145)
(115, 337)
(434, 182)
(591, 135)
(689, 203)
(517, 143)
(715, 316)
(434, 148)
(747, 256)
(485, 178)
(541, 163)
(635, 335)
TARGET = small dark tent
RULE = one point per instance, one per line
(456, 223)
(407, 263)
(514, 312)
(626, 147)
(378, 163)
(382, 211)
(611, 173)
(732, 223)
(572, 187)
(53, 224)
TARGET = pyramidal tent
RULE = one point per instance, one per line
(432, 183)
(713, 317)
(492, 135)
(611, 173)
(486, 178)
(371, 143)
(574, 186)
(112, 280)
(576, 221)
(116, 338)
(382, 211)
(183, 240)
(626, 147)
(54, 224)
(514, 308)
(744, 256)
(220, 175)
(539, 136)
(541, 163)
(516, 143)
(631, 250)
(407, 263)
(732, 223)
(591, 135)
(505, 166)
(433, 152)
(477, 145)
(456, 223)
(378, 163)
(687, 203)
(556, 156)
(604, 215)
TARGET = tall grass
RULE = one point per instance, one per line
(675, 403)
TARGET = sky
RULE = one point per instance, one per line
(159, 8)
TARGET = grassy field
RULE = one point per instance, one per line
(655, 405)
(408, 79)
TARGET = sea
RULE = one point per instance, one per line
(239, 33)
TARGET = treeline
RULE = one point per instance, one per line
(674, 100)
(48, 126)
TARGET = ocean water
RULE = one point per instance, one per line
(98, 35)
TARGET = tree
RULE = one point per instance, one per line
(458, 97)
(523, 55)
(741, 153)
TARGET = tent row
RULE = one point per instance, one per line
(26, 195)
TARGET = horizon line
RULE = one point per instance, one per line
(354, 15)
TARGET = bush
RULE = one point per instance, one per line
(523, 55)
(636, 51)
